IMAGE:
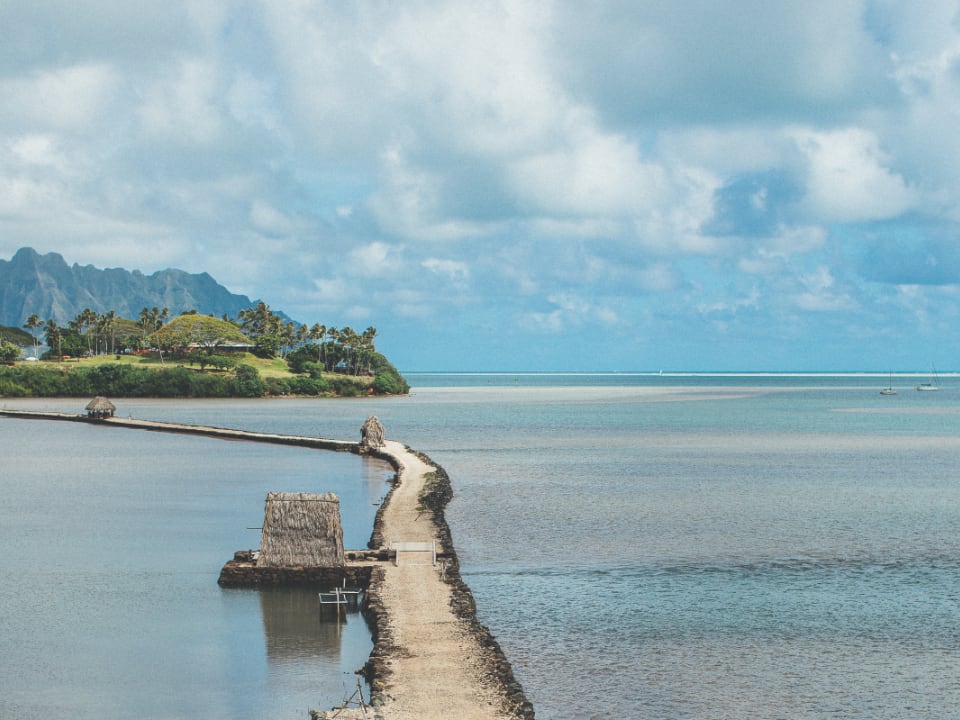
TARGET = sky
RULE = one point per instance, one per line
(512, 186)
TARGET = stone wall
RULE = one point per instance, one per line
(242, 572)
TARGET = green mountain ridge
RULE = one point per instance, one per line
(45, 285)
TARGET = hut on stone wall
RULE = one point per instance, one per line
(371, 434)
(100, 407)
(301, 529)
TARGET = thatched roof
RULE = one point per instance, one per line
(301, 529)
(101, 404)
(371, 434)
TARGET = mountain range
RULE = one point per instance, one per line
(45, 285)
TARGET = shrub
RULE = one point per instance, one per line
(314, 370)
(247, 382)
(8, 351)
(390, 383)
(217, 362)
(345, 386)
(8, 388)
(170, 382)
(388, 378)
(298, 359)
(307, 386)
(266, 346)
(275, 386)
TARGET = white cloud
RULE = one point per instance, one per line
(451, 269)
(409, 203)
(732, 305)
(374, 260)
(727, 150)
(774, 254)
(333, 291)
(822, 294)
(70, 98)
(848, 178)
(483, 77)
(657, 278)
(268, 219)
(181, 105)
(39, 151)
(597, 175)
(796, 240)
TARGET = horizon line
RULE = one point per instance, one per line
(689, 373)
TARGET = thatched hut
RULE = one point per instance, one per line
(100, 407)
(371, 434)
(301, 529)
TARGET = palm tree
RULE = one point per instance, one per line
(368, 347)
(328, 362)
(87, 318)
(54, 335)
(317, 334)
(150, 321)
(32, 324)
(109, 322)
(349, 338)
(260, 320)
(288, 335)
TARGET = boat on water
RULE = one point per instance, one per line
(934, 383)
(888, 390)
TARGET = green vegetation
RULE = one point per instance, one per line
(198, 376)
(8, 352)
(197, 331)
(193, 355)
(15, 335)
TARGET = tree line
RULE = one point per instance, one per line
(317, 354)
(258, 329)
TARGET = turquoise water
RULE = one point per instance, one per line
(718, 552)
(679, 547)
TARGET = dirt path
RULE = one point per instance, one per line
(438, 672)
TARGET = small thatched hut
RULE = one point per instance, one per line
(100, 407)
(371, 434)
(301, 529)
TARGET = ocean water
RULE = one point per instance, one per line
(642, 546)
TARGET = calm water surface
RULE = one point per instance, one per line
(112, 542)
(650, 547)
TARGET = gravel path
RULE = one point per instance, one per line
(440, 670)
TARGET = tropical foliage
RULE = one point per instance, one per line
(321, 360)
(192, 331)
(8, 351)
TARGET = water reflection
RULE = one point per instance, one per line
(297, 631)
(145, 541)
(294, 628)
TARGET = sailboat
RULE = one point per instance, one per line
(934, 383)
(888, 390)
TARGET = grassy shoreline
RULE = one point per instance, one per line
(157, 376)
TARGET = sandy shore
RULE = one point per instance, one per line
(439, 668)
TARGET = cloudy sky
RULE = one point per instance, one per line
(637, 185)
